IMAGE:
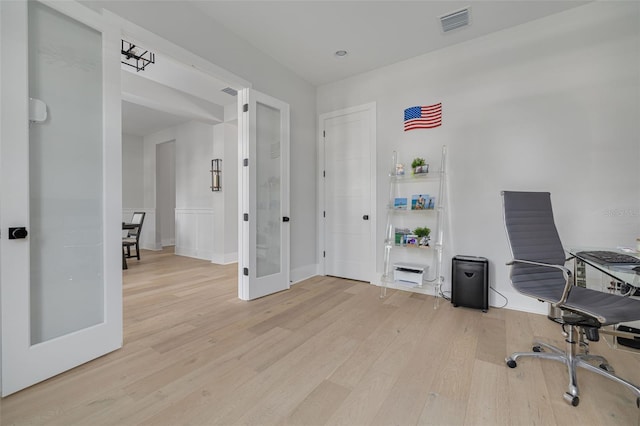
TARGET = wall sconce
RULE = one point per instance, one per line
(216, 184)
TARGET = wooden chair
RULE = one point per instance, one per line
(133, 236)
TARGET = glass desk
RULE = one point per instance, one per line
(611, 278)
(623, 274)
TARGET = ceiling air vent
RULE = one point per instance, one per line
(455, 20)
(230, 91)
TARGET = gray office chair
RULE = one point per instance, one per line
(537, 270)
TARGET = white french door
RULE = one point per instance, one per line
(263, 258)
(348, 192)
(60, 186)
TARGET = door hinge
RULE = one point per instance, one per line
(245, 107)
(324, 253)
(324, 134)
(324, 213)
(245, 162)
(324, 173)
(245, 271)
(246, 217)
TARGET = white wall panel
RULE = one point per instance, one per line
(194, 233)
(132, 170)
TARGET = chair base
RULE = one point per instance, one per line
(574, 360)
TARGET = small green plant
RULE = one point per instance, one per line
(417, 162)
(422, 231)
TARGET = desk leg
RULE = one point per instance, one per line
(124, 261)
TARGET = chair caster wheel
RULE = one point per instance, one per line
(572, 400)
(536, 349)
(511, 363)
(607, 367)
(638, 402)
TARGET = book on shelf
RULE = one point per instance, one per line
(400, 236)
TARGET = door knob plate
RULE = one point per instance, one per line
(18, 233)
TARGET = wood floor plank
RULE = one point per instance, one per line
(328, 351)
(319, 405)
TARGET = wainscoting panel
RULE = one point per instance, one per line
(194, 233)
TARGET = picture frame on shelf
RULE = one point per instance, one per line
(400, 203)
(431, 203)
(421, 170)
(419, 202)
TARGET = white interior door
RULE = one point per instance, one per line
(60, 180)
(263, 258)
(349, 192)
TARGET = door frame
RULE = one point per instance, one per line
(154, 42)
(370, 109)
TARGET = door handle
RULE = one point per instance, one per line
(18, 233)
(285, 219)
(365, 217)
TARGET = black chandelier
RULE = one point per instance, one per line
(131, 56)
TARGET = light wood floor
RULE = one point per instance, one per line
(328, 351)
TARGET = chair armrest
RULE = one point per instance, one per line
(566, 273)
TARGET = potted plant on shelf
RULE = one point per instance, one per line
(423, 235)
(419, 166)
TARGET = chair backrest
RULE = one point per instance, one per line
(532, 235)
(137, 219)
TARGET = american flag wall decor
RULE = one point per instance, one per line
(423, 117)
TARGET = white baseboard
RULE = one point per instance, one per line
(303, 273)
(150, 247)
(181, 251)
(224, 259)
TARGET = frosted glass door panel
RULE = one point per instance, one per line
(269, 203)
(65, 176)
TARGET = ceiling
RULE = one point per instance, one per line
(141, 121)
(304, 35)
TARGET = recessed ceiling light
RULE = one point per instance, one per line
(341, 53)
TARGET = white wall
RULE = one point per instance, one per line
(166, 193)
(194, 198)
(225, 201)
(132, 171)
(552, 105)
